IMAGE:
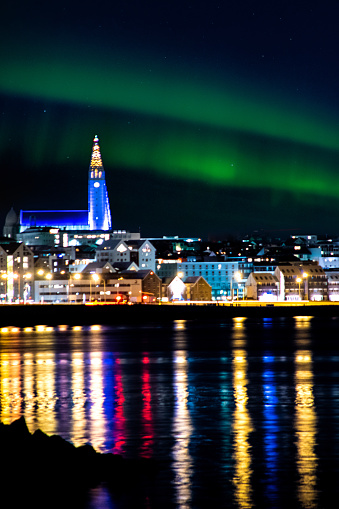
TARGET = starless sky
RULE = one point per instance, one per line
(213, 117)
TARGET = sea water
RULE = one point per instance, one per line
(238, 413)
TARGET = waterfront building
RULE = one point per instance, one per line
(289, 282)
(133, 286)
(198, 289)
(188, 289)
(173, 289)
(301, 282)
(224, 277)
(262, 286)
(333, 285)
(16, 271)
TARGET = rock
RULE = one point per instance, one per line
(39, 463)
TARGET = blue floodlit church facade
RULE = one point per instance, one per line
(98, 215)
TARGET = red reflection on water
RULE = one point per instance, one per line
(147, 423)
(119, 416)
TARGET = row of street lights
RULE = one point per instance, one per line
(11, 277)
(77, 276)
(299, 280)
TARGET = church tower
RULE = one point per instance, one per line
(99, 213)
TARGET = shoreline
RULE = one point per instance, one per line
(29, 315)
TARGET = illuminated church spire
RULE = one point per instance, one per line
(99, 214)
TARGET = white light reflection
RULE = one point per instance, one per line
(182, 430)
(226, 406)
(78, 423)
(10, 394)
(97, 418)
(305, 430)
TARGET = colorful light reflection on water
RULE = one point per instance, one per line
(235, 406)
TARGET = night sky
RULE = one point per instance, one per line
(214, 117)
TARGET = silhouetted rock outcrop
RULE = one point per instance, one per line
(36, 466)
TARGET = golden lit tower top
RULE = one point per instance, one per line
(96, 161)
(99, 214)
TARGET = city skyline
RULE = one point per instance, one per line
(213, 120)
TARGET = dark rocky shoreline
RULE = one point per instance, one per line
(48, 471)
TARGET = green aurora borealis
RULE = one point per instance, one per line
(172, 120)
(191, 129)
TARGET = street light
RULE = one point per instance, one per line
(305, 276)
(15, 276)
(5, 276)
(10, 286)
(76, 276)
(98, 279)
(26, 276)
(237, 277)
(298, 280)
(95, 278)
(49, 277)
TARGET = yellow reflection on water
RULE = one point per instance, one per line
(242, 427)
(182, 431)
(10, 394)
(238, 333)
(28, 381)
(179, 324)
(46, 397)
(303, 322)
(238, 322)
(305, 430)
(78, 421)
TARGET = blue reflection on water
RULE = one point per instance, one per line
(209, 404)
(271, 430)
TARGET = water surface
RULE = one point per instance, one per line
(241, 413)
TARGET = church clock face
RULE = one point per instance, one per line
(96, 184)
